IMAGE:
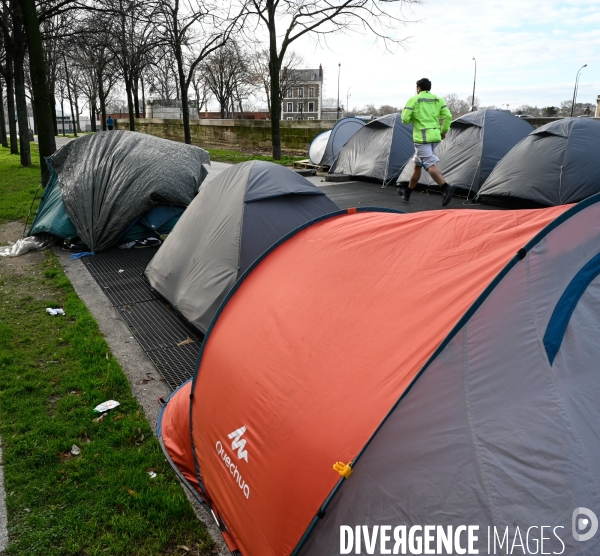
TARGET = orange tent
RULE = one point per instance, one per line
(322, 344)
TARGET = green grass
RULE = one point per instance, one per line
(18, 185)
(53, 372)
(236, 156)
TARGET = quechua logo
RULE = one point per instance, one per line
(239, 443)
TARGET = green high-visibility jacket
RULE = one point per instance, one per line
(429, 116)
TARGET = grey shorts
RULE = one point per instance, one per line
(425, 155)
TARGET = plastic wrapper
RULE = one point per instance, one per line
(22, 246)
(106, 406)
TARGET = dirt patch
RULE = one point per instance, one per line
(11, 231)
(14, 269)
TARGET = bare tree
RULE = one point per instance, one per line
(40, 90)
(7, 72)
(581, 108)
(458, 106)
(161, 75)
(134, 36)
(193, 32)
(227, 76)
(201, 89)
(318, 18)
(289, 76)
(3, 137)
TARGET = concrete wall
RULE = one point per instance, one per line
(296, 136)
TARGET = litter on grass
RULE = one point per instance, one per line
(75, 450)
(54, 312)
(23, 245)
(106, 406)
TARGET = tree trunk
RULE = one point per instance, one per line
(274, 70)
(21, 101)
(10, 102)
(102, 96)
(62, 110)
(185, 108)
(70, 98)
(3, 137)
(143, 98)
(136, 99)
(19, 64)
(93, 116)
(77, 112)
(33, 111)
(54, 118)
(39, 85)
(128, 88)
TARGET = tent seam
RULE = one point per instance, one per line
(478, 456)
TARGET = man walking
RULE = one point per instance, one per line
(110, 123)
(425, 111)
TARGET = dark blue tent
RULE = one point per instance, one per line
(237, 215)
(474, 145)
(554, 165)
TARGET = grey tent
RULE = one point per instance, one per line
(326, 146)
(379, 150)
(109, 179)
(474, 145)
(555, 164)
(237, 215)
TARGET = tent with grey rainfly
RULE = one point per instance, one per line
(326, 146)
(237, 215)
(115, 186)
(555, 164)
(377, 151)
(474, 145)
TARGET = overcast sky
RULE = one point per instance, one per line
(527, 51)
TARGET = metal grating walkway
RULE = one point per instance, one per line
(152, 322)
(159, 329)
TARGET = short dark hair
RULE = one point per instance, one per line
(424, 84)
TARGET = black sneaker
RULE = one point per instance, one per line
(405, 192)
(73, 247)
(448, 192)
(148, 242)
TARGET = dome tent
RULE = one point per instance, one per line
(102, 183)
(472, 147)
(237, 215)
(325, 395)
(326, 146)
(379, 150)
(555, 164)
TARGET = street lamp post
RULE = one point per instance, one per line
(575, 88)
(474, 79)
(348, 95)
(338, 98)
